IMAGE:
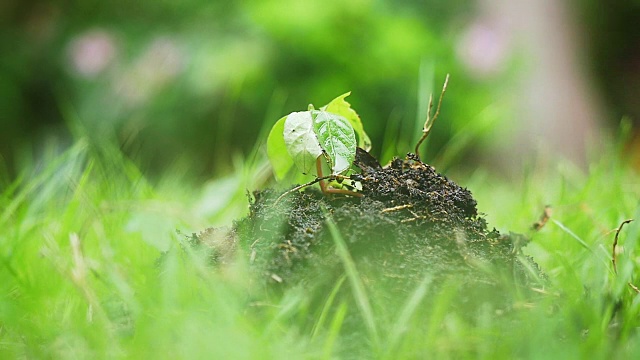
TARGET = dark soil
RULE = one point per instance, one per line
(411, 222)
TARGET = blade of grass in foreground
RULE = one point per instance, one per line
(327, 306)
(402, 324)
(572, 234)
(579, 240)
(334, 329)
(74, 155)
(359, 292)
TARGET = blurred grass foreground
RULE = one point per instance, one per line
(124, 126)
(92, 267)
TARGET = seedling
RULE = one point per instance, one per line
(306, 139)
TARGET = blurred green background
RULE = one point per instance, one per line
(197, 82)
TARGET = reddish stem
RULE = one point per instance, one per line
(326, 189)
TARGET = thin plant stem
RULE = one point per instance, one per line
(615, 244)
(426, 129)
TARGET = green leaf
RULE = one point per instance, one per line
(337, 138)
(277, 152)
(301, 137)
(301, 140)
(341, 107)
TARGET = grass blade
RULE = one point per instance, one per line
(334, 329)
(572, 234)
(402, 323)
(327, 306)
(359, 292)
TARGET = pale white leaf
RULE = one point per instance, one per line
(301, 140)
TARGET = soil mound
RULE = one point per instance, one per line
(410, 222)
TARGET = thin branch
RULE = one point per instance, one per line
(544, 218)
(414, 218)
(615, 243)
(613, 253)
(444, 89)
(325, 188)
(316, 180)
(426, 129)
(396, 208)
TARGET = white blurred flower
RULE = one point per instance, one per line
(163, 58)
(158, 65)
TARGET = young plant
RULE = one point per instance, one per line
(304, 139)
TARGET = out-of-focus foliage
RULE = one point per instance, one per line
(196, 81)
(614, 45)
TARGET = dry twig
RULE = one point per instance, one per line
(316, 180)
(426, 129)
(615, 244)
(544, 218)
(396, 208)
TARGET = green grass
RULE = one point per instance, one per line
(82, 232)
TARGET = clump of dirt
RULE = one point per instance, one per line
(411, 227)
(410, 222)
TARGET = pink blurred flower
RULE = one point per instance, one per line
(92, 52)
(483, 49)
